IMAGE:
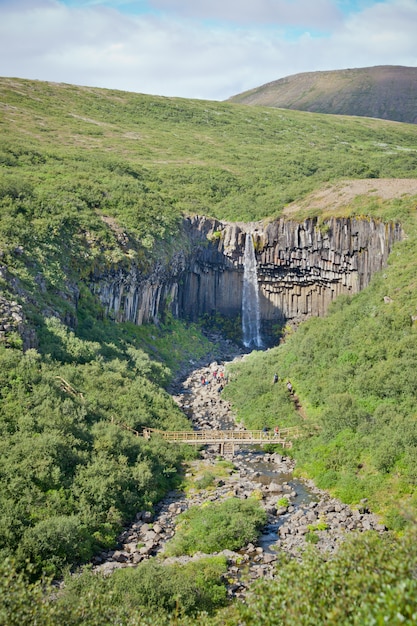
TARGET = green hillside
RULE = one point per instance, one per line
(170, 155)
(90, 178)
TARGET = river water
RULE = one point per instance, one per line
(295, 490)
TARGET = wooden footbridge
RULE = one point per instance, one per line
(226, 439)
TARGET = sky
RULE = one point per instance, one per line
(204, 49)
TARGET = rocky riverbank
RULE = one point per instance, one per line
(298, 513)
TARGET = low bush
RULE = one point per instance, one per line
(152, 588)
(54, 543)
(283, 502)
(229, 524)
(312, 537)
(370, 580)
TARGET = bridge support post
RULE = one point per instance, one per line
(227, 446)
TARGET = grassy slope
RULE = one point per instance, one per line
(72, 157)
(181, 155)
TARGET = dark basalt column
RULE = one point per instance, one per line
(302, 267)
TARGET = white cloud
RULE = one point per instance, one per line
(385, 31)
(166, 55)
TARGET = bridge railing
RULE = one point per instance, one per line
(243, 436)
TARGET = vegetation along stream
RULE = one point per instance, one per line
(292, 513)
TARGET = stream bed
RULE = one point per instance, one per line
(297, 511)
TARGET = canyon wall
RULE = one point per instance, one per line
(302, 267)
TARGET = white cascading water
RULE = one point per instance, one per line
(251, 319)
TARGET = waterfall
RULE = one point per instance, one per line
(251, 321)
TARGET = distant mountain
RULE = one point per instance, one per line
(388, 92)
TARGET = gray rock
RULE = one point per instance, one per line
(120, 557)
(108, 568)
(275, 487)
(136, 557)
(130, 547)
(146, 549)
(269, 558)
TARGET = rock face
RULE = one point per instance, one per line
(302, 267)
(13, 319)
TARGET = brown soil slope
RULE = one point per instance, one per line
(338, 196)
(388, 92)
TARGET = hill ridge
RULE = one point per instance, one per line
(385, 91)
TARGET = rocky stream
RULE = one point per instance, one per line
(296, 510)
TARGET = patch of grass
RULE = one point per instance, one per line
(204, 481)
(202, 476)
(312, 537)
(321, 525)
(283, 502)
(227, 524)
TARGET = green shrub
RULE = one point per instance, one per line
(283, 502)
(370, 580)
(312, 537)
(350, 488)
(54, 543)
(215, 526)
(26, 603)
(320, 525)
(151, 589)
(189, 588)
(21, 603)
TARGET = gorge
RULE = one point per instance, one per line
(301, 266)
(125, 216)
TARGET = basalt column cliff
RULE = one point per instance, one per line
(301, 267)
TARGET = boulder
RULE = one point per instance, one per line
(120, 557)
(275, 487)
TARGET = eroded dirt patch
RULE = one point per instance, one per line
(341, 194)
